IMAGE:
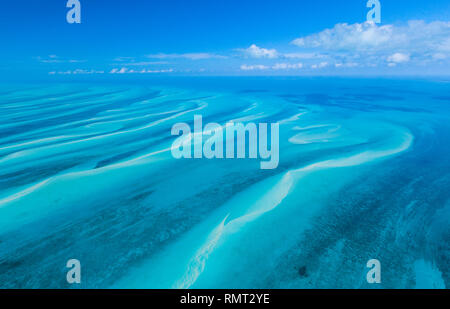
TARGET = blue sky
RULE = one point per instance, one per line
(224, 37)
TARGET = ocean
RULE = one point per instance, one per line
(87, 173)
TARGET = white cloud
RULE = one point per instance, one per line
(156, 71)
(121, 59)
(190, 56)
(346, 65)
(143, 71)
(245, 67)
(303, 55)
(445, 45)
(287, 66)
(344, 36)
(257, 52)
(81, 71)
(320, 65)
(133, 61)
(56, 59)
(299, 42)
(75, 72)
(144, 63)
(277, 66)
(439, 56)
(418, 42)
(398, 58)
(369, 37)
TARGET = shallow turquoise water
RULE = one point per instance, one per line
(364, 173)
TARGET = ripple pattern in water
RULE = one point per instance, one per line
(87, 173)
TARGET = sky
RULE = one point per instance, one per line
(223, 37)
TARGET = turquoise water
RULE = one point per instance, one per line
(364, 173)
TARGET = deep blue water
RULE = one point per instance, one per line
(364, 173)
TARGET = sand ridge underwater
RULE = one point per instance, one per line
(87, 173)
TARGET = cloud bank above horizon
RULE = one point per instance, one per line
(343, 47)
